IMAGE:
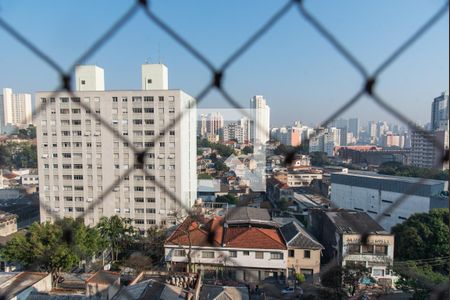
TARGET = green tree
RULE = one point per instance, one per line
(332, 279)
(220, 166)
(18, 155)
(204, 176)
(422, 236)
(351, 276)
(421, 279)
(247, 150)
(117, 232)
(51, 247)
(228, 198)
(283, 204)
(398, 169)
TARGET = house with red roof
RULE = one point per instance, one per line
(244, 245)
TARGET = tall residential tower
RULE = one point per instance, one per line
(80, 158)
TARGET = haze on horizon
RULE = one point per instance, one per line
(297, 70)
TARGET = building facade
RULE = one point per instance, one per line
(373, 193)
(260, 126)
(439, 112)
(425, 153)
(352, 238)
(15, 109)
(80, 158)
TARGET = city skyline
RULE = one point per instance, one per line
(418, 77)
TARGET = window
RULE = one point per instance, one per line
(149, 81)
(83, 81)
(276, 255)
(207, 254)
(259, 255)
(353, 248)
(179, 252)
(139, 199)
(291, 253)
(161, 99)
(150, 211)
(149, 110)
(232, 254)
(148, 99)
(380, 249)
(367, 249)
(246, 253)
(306, 254)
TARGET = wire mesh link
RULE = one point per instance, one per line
(216, 82)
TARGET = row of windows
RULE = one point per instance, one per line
(232, 253)
(367, 249)
(146, 99)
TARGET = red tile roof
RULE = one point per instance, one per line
(212, 233)
(254, 238)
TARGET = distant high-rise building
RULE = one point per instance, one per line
(424, 153)
(353, 127)
(260, 130)
(79, 158)
(439, 112)
(203, 126)
(291, 136)
(372, 132)
(15, 109)
(233, 131)
(325, 141)
(215, 123)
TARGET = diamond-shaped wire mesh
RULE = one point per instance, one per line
(216, 83)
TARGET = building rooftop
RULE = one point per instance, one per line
(348, 221)
(12, 285)
(399, 184)
(215, 292)
(6, 216)
(249, 215)
(103, 277)
(212, 233)
(296, 236)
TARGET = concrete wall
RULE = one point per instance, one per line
(374, 202)
(222, 257)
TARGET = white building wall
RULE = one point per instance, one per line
(89, 78)
(105, 158)
(154, 77)
(221, 257)
(374, 202)
(17, 109)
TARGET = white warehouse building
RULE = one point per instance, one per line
(374, 193)
(80, 158)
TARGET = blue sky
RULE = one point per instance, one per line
(300, 74)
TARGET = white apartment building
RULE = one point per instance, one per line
(373, 193)
(15, 109)
(80, 158)
(260, 126)
(424, 152)
(325, 141)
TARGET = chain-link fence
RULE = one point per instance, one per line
(216, 83)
